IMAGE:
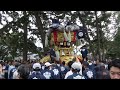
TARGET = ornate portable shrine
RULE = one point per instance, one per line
(62, 39)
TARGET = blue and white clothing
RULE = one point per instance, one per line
(91, 66)
(11, 73)
(84, 52)
(48, 74)
(64, 70)
(15, 75)
(36, 75)
(68, 74)
(89, 74)
(42, 66)
(55, 23)
(75, 76)
(6, 71)
(57, 72)
(9, 69)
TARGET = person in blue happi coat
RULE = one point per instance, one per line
(36, 73)
(88, 73)
(47, 72)
(75, 72)
(57, 71)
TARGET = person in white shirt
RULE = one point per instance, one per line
(11, 66)
(68, 74)
(75, 70)
(15, 75)
(70, 71)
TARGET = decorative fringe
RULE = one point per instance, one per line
(65, 36)
(55, 25)
(49, 32)
(79, 42)
(61, 28)
(69, 36)
(67, 27)
(72, 53)
(72, 28)
(46, 41)
(63, 52)
(76, 27)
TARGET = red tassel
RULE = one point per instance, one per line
(64, 40)
(55, 36)
(74, 39)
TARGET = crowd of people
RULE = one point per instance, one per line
(72, 70)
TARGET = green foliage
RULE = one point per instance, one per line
(14, 41)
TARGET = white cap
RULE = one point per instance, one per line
(47, 64)
(36, 65)
(76, 65)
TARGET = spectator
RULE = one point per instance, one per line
(102, 73)
(23, 72)
(36, 74)
(64, 69)
(70, 69)
(1, 72)
(114, 69)
(47, 72)
(6, 70)
(15, 73)
(75, 70)
(88, 73)
(57, 71)
(11, 66)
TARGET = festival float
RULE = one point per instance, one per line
(62, 40)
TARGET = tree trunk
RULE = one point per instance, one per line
(40, 28)
(102, 44)
(25, 38)
(103, 48)
(98, 36)
(87, 37)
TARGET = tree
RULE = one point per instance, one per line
(25, 24)
(116, 47)
(18, 42)
(14, 40)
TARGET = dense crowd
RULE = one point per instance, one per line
(60, 70)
